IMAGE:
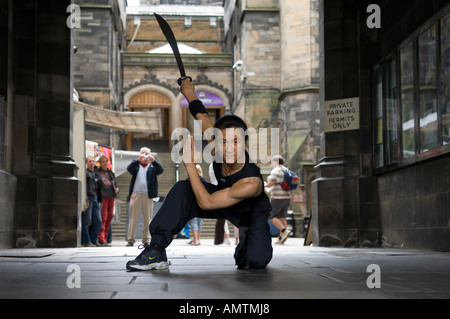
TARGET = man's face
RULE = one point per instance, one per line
(90, 163)
(231, 146)
(144, 154)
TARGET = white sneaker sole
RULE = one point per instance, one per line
(285, 236)
(154, 266)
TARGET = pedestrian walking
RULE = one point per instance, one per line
(279, 198)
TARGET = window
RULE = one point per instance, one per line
(445, 79)
(378, 124)
(391, 112)
(428, 90)
(385, 102)
(407, 100)
(411, 98)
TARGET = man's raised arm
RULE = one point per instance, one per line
(196, 107)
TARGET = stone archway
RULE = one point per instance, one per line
(151, 96)
(160, 97)
(216, 109)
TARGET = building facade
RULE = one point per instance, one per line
(97, 66)
(150, 70)
(278, 83)
(276, 86)
(385, 179)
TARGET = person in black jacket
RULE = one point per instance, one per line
(143, 188)
(91, 219)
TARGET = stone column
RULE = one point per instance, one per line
(344, 194)
(48, 193)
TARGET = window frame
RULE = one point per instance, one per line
(384, 65)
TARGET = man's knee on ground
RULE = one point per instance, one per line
(257, 262)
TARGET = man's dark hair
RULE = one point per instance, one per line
(231, 121)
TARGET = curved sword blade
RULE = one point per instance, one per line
(168, 33)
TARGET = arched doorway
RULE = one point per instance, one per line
(151, 100)
(213, 103)
(174, 111)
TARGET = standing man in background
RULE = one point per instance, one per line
(143, 188)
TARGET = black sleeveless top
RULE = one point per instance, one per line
(254, 205)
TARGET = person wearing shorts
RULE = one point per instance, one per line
(196, 226)
(279, 198)
(196, 222)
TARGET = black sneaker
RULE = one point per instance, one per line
(151, 258)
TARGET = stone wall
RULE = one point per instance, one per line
(97, 67)
(415, 206)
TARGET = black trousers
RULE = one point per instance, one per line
(180, 206)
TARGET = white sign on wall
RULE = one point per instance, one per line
(341, 115)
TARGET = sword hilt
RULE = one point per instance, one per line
(180, 80)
